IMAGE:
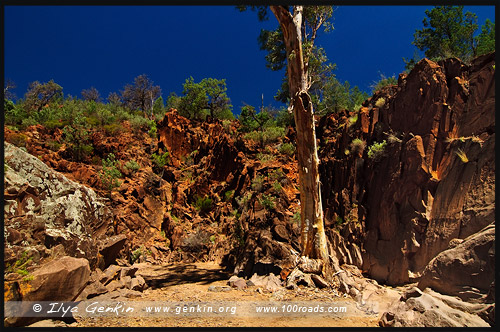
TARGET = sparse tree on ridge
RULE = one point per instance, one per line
(141, 95)
(448, 32)
(91, 94)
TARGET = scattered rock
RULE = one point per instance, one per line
(430, 309)
(110, 248)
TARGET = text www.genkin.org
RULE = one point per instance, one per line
(173, 309)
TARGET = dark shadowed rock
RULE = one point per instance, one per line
(466, 270)
(110, 248)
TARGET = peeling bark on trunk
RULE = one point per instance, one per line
(312, 228)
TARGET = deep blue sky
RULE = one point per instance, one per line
(107, 46)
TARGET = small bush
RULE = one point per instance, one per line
(358, 145)
(273, 134)
(287, 149)
(380, 102)
(277, 186)
(352, 120)
(132, 166)
(243, 201)
(203, 204)
(18, 140)
(296, 218)
(463, 157)
(139, 122)
(228, 195)
(265, 157)
(160, 160)
(258, 183)
(376, 150)
(152, 129)
(113, 129)
(276, 175)
(267, 201)
(110, 174)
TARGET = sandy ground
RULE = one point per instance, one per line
(188, 284)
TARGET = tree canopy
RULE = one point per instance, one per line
(141, 95)
(449, 32)
(208, 97)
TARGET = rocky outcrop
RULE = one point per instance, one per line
(466, 270)
(432, 180)
(46, 214)
(430, 309)
(59, 280)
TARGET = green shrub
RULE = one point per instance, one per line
(258, 183)
(152, 129)
(277, 186)
(18, 139)
(264, 157)
(110, 174)
(287, 149)
(160, 160)
(358, 145)
(53, 124)
(203, 204)
(267, 201)
(296, 218)
(113, 128)
(276, 175)
(273, 134)
(228, 195)
(139, 122)
(352, 120)
(132, 166)
(376, 150)
(380, 102)
(243, 201)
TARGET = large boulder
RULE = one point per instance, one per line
(45, 210)
(430, 309)
(466, 270)
(59, 280)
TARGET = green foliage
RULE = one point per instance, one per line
(284, 118)
(287, 149)
(20, 265)
(267, 201)
(462, 156)
(113, 128)
(110, 174)
(380, 102)
(160, 160)
(376, 150)
(39, 95)
(485, 41)
(132, 166)
(258, 183)
(18, 139)
(152, 129)
(250, 120)
(383, 82)
(337, 97)
(139, 122)
(228, 195)
(244, 200)
(273, 134)
(296, 218)
(136, 254)
(277, 175)
(448, 32)
(264, 157)
(208, 97)
(358, 145)
(77, 137)
(277, 187)
(203, 204)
